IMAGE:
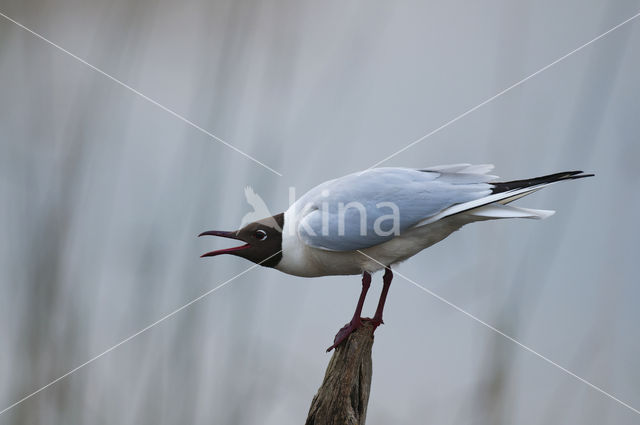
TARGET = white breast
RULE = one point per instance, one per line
(299, 259)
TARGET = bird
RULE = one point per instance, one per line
(260, 209)
(374, 219)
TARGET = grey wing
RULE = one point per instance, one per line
(368, 208)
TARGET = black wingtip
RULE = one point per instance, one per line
(576, 175)
(550, 178)
(583, 175)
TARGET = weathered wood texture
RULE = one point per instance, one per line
(344, 394)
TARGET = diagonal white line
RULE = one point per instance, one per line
(141, 331)
(142, 95)
(511, 87)
(499, 332)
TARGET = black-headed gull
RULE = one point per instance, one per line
(371, 220)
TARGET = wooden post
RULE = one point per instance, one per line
(344, 394)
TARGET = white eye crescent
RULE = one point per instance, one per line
(260, 235)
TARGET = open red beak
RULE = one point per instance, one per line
(230, 235)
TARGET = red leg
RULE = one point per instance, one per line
(386, 283)
(356, 321)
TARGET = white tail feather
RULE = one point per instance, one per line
(501, 197)
(497, 210)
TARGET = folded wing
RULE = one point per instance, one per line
(368, 208)
(371, 207)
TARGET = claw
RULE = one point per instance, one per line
(345, 331)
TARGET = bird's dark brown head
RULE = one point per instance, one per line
(262, 238)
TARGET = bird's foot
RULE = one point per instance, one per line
(350, 327)
(374, 321)
(346, 330)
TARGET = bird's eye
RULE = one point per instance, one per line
(260, 235)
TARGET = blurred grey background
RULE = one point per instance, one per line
(102, 195)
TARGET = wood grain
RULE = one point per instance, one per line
(344, 394)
